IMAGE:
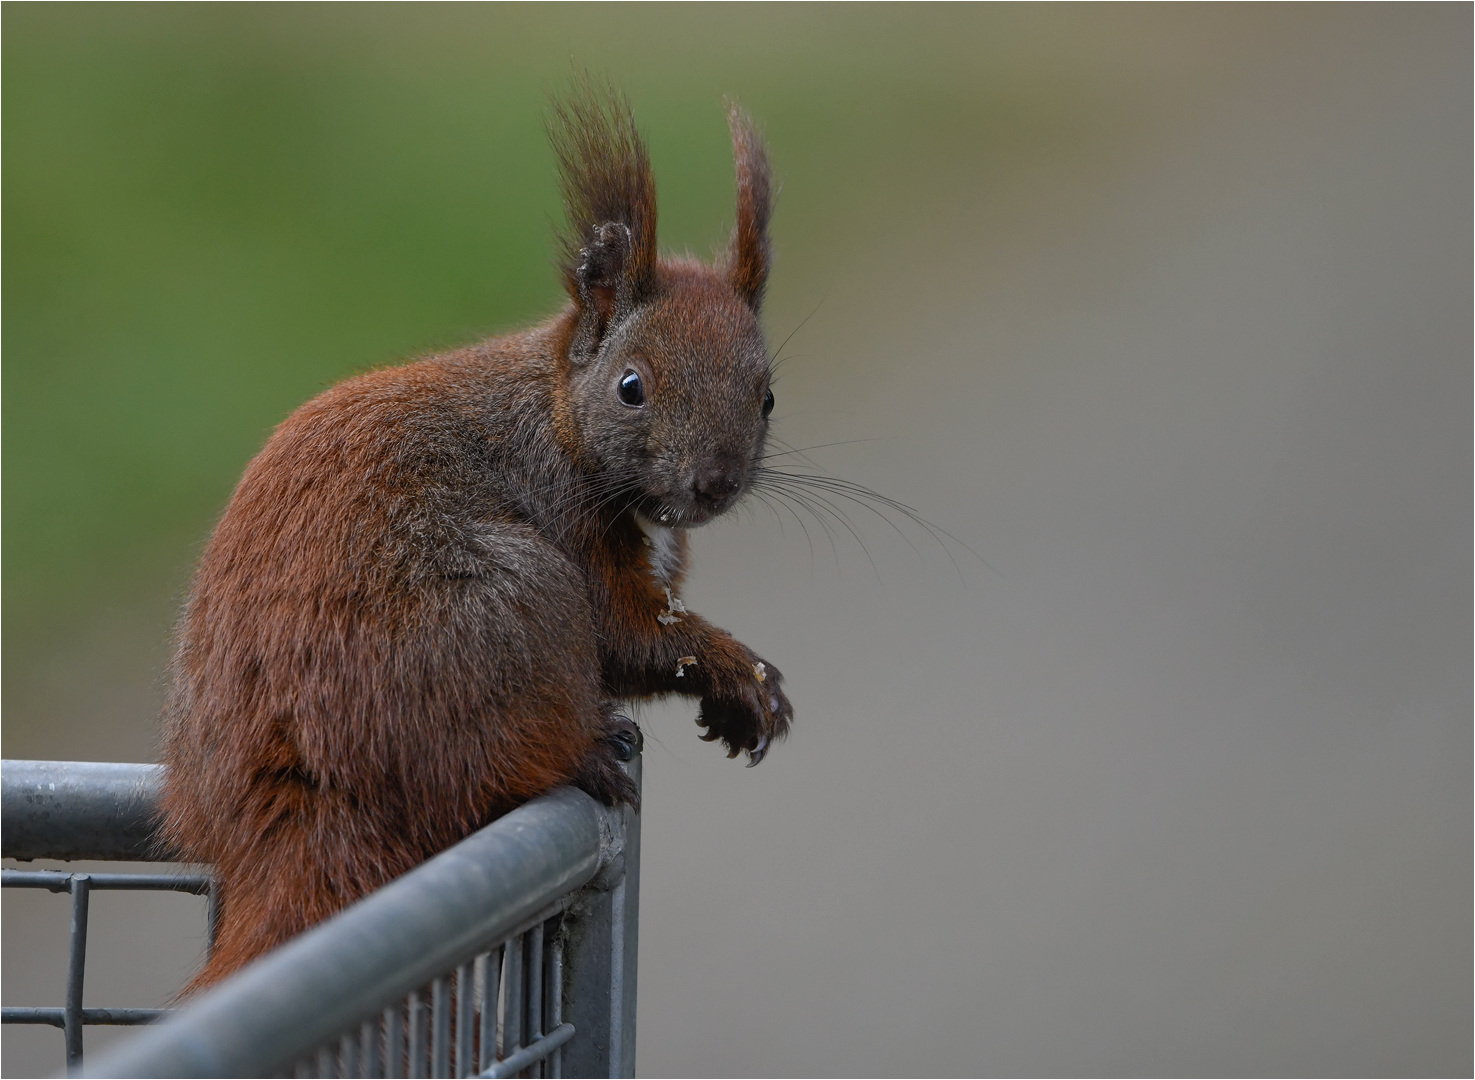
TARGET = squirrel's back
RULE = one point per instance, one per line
(346, 655)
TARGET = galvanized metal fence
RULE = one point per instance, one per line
(512, 953)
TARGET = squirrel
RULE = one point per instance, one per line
(435, 581)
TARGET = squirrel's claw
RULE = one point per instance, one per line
(750, 718)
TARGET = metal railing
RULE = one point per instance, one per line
(511, 953)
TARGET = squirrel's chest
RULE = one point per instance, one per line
(662, 550)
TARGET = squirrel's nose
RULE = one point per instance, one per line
(716, 482)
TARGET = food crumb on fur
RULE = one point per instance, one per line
(673, 605)
(760, 670)
(684, 663)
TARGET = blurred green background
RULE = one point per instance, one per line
(215, 211)
(1164, 310)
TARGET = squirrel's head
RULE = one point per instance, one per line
(668, 373)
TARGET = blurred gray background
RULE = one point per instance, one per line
(1164, 312)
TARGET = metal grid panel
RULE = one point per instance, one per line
(498, 1014)
(552, 994)
(73, 1016)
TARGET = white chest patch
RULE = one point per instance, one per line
(660, 549)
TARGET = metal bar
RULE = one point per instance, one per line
(56, 1017)
(628, 928)
(76, 969)
(212, 914)
(416, 1025)
(536, 1052)
(78, 810)
(600, 934)
(618, 975)
(535, 985)
(57, 881)
(348, 1055)
(440, 1047)
(369, 1063)
(512, 997)
(394, 1041)
(465, 1020)
(123, 1017)
(425, 923)
(555, 1001)
(53, 1017)
(491, 981)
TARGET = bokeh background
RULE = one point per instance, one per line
(1164, 312)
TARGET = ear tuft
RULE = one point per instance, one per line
(748, 252)
(607, 181)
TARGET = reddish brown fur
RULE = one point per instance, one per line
(433, 582)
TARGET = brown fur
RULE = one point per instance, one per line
(433, 583)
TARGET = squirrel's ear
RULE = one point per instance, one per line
(748, 253)
(602, 287)
(609, 197)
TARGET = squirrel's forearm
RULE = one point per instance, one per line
(649, 642)
(743, 703)
(683, 654)
(670, 649)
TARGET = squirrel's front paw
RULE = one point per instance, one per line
(749, 712)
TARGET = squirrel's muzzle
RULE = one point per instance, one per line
(714, 484)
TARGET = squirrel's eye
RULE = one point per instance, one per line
(632, 390)
(768, 403)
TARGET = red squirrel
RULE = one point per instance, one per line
(435, 581)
